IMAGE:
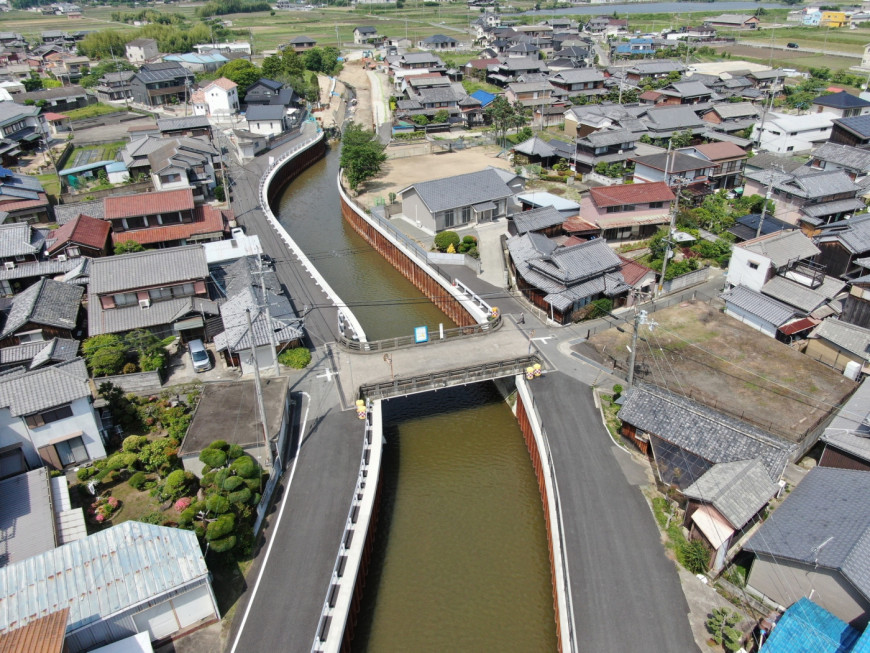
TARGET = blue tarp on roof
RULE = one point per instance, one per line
(808, 628)
(117, 166)
(484, 97)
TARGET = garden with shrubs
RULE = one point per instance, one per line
(142, 478)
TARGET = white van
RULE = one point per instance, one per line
(199, 356)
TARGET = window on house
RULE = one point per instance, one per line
(30, 336)
(448, 218)
(183, 290)
(48, 416)
(656, 205)
(466, 215)
(156, 294)
(73, 251)
(170, 218)
(126, 299)
(614, 209)
(753, 265)
(138, 222)
(790, 148)
(170, 178)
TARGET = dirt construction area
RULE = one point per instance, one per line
(355, 75)
(397, 174)
(696, 350)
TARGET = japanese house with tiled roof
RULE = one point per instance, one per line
(686, 439)
(847, 437)
(163, 291)
(47, 309)
(818, 543)
(81, 236)
(218, 98)
(48, 415)
(628, 211)
(22, 198)
(562, 281)
(459, 201)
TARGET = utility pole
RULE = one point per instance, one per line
(671, 222)
(259, 389)
(764, 208)
(272, 342)
(639, 318)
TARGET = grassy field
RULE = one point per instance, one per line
(787, 58)
(831, 40)
(721, 362)
(50, 184)
(92, 111)
(106, 152)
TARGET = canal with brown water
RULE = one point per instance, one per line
(460, 560)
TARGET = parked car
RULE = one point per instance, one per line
(793, 46)
(199, 356)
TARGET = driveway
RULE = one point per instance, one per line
(626, 593)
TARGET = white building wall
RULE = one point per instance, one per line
(14, 430)
(221, 101)
(266, 127)
(775, 139)
(264, 360)
(740, 272)
(750, 320)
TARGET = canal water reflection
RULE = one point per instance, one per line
(461, 558)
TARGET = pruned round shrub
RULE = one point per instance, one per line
(222, 545)
(176, 484)
(235, 451)
(137, 481)
(187, 516)
(213, 458)
(134, 443)
(220, 527)
(217, 504)
(246, 467)
(219, 444)
(445, 239)
(129, 368)
(298, 358)
(241, 497)
(85, 473)
(233, 483)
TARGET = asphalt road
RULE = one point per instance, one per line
(626, 593)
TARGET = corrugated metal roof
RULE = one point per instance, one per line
(100, 575)
(782, 247)
(763, 307)
(850, 428)
(540, 218)
(800, 296)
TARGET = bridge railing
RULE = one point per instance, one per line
(406, 342)
(436, 380)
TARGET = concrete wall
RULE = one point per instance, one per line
(830, 354)
(416, 212)
(687, 280)
(784, 582)
(13, 430)
(139, 383)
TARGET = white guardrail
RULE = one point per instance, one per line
(342, 585)
(568, 631)
(349, 319)
(471, 304)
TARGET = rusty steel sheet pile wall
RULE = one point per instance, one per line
(407, 267)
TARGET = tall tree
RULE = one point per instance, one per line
(362, 155)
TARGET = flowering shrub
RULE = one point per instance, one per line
(182, 504)
(101, 509)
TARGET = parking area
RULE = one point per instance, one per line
(180, 369)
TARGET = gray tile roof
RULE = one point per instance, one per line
(852, 205)
(46, 302)
(763, 307)
(120, 320)
(853, 234)
(850, 337)
(737, 490)
(265, 112)
(567, 274)
(164, 73)
(63, 213)
(656, 67)
(764, 160)
(535, 219)
(802, 297)
(579, 75)
(829, 507)
(26, 517)
(843, 155)
(42, 268)
(47, 387)
(461, 190)
(687, 89)
(607, 137)
(16, 240)
(858, 124)
(672, 118)
(699, 429)
(103, 574)
(11, 111)
(850, 428)
(535, 146)
(188, 122)
(782, 248)
(38, 352)
(147, 269)
(730, 110)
